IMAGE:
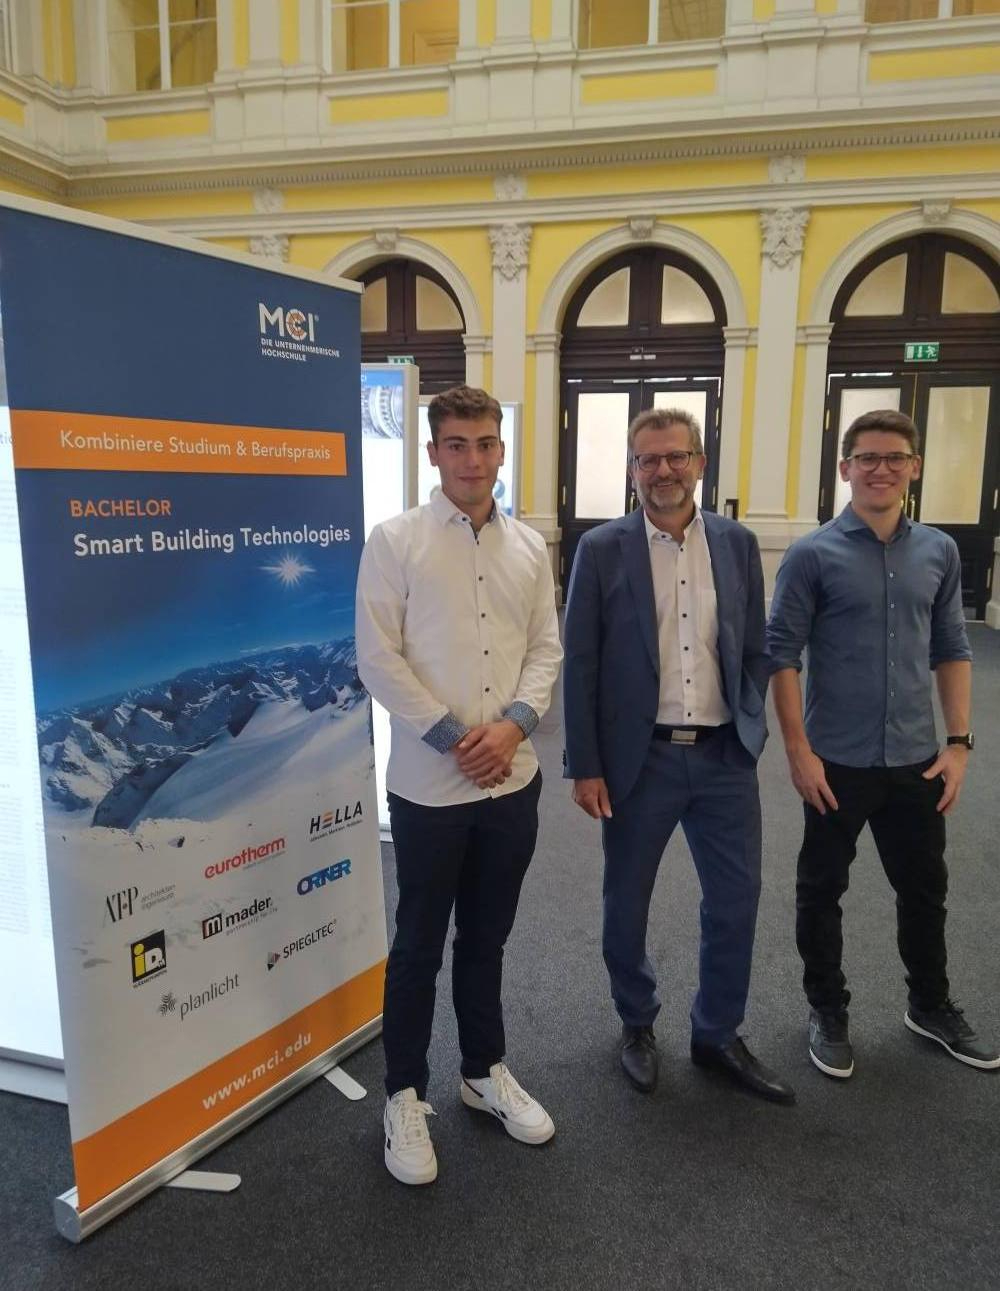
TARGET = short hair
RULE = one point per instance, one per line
(663, 419)
(885, 419)
(466, 403)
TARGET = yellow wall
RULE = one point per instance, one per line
(486, 21)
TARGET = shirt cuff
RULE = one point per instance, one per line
(445, 734)
(524, 716)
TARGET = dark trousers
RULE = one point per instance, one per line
(900, 806)
(472, 857)
(710, 789)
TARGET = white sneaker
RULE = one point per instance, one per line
(409, 1152)
(499, 1094)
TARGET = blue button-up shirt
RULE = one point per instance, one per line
(876, 617)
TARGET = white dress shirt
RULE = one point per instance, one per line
(687, 621)
(455, 629)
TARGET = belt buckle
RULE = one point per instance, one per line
(683, 737)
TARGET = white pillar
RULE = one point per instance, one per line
(817, 341)
(545, 509)
(476, 349)
(993, 608)
(510, 242)
(265, 34)
(783, 233)
(738, 340)
(513, 22)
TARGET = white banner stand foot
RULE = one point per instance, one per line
(205, 1181)
(347, 1085)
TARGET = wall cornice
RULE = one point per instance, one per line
(666, 203)
(191, 165)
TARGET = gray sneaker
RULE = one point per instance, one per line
(947, 1025)
(829, 1044)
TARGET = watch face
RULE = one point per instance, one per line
(967, 741)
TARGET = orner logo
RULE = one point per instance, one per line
(329, 874)
(293, 322)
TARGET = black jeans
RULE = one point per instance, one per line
(900, 805)
(472, 857)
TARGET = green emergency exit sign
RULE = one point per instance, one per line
(922, 351)
(399, 358)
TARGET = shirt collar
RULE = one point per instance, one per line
(446, 512)
(652, 532)
(851, 522)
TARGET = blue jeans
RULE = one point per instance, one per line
(710, 789)
(472, 857)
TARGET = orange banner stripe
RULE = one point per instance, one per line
(81, 441)
(118, 1152)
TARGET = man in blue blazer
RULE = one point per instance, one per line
(665, 677)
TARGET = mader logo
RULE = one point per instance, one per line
(216, 923)
(307, 884)
(328, 822)
(149, 957)
(299, 326)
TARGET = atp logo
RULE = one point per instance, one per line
(149, 957)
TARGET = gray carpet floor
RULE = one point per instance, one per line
(889, 1180)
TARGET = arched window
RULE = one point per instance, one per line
(409, 309)
(643, 330)
(916, 327)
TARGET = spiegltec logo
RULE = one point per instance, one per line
(329, 874)
(124, 903)
(149, 957)
(258, 909)
(313, 938)
(329, 822)
(198, 1000)
(243, 860)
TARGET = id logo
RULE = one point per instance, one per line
(149, 957)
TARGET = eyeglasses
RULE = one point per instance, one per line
(870, 461)
(679, 460)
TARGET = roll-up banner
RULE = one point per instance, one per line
(187, 452)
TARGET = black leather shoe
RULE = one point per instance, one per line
(639, 1059)
(737, 1062)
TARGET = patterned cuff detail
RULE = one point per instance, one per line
(524, 715)
(446, 733)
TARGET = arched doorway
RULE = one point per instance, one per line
(409, 310)
(643, 330)
(916, 326)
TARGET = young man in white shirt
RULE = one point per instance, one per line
(457, 637)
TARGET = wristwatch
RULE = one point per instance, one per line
(967, 741)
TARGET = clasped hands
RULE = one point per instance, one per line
(485, 753)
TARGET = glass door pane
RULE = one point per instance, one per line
(693, 401)
(854, 402)
(954, 454)
(601, 453)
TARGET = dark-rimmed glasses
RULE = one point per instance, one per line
(871, 461)
(678, 460)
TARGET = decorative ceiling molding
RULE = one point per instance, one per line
(510, 188)
(383, 224)
(787, 169)
(211, 172)
(387, 239)
(641, 227)
(268, 201)
(935, 212)
(271, 246)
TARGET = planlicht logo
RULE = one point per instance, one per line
(293, 322)
(249, 856)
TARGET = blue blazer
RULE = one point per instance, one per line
(611, 678)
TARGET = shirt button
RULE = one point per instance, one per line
(485, 652)
(683, 582)
(892, 605)
(487, 690)
(687, 647)
(891, 574)
(684, 616)
(891, 664)
(892, 634)
(480, 578)
(483, 615)
(892, 694)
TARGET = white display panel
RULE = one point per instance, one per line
(388, 441)
(505, 490)
(29, 1005)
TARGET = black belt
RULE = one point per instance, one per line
(686, 734)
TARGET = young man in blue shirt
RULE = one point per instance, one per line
(878, 601)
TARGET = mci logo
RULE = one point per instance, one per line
(291, 322)
(149, 957)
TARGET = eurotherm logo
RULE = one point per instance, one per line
(249, 856)
(149, 957)
(329, 822)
